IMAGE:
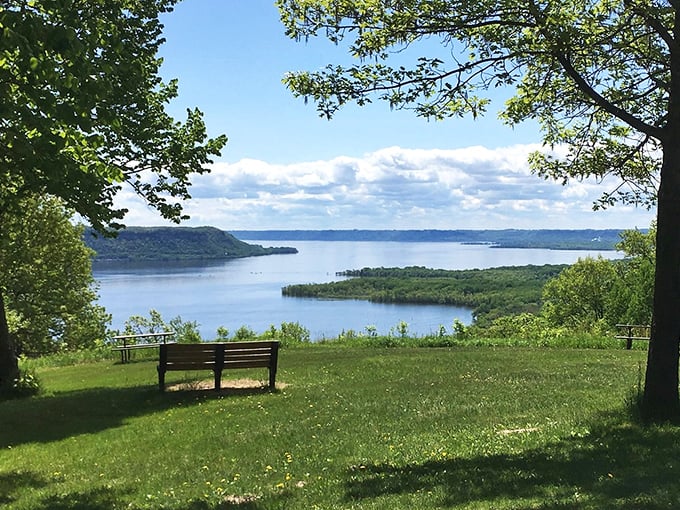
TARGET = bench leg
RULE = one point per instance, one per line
(161, 380)
(272, 378)
(218, 380)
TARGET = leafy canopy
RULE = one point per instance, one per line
(82, 112)
(607, 291)
(47, 272)
(82, 109)
(578, 297)
(594, 74)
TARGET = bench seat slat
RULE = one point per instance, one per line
(246, 364)
(191, 359)
(192, 355)
(251, 359)
(190, 366)
(192, 348)
(247, 355)
(196, 363)
(265, 344)
(256, 350)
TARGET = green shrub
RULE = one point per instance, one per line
(293, 333)
(186, 332)
(525, 326)
(26, 385)
(244, 333)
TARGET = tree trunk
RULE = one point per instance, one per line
(9, 364)
(660, 400)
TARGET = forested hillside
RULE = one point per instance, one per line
(174, 243)
(510, 238)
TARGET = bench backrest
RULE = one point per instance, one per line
(219, 355)
(188, 356)
(250, 354)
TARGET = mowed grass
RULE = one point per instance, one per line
(476, 427)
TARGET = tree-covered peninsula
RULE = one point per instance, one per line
(174, 243)
(491, 293)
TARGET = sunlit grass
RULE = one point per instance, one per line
(461, 427)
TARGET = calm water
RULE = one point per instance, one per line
(247, 291)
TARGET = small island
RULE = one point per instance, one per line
(174, 243)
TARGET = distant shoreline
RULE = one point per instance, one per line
(557, 239)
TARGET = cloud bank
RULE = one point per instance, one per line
(394, 188)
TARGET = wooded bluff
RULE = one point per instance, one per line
(174, 243)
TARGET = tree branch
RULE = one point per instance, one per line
(561, 55)
(603, 103)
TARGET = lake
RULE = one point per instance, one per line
(247, 292)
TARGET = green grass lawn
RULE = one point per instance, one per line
(477, 427)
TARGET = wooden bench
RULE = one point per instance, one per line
(633, 332)
(218, 357)
(127, 343)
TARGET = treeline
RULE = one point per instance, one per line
(174, 243)
(586, 239)
(490, 293)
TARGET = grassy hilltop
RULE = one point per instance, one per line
(349, 427)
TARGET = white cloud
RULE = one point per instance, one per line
(473, 187)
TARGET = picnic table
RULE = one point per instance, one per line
(630, 332)
(128, 343)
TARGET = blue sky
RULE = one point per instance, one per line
(284, 167)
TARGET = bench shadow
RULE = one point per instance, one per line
(67, 414)
(617, 465)
(229, 387)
